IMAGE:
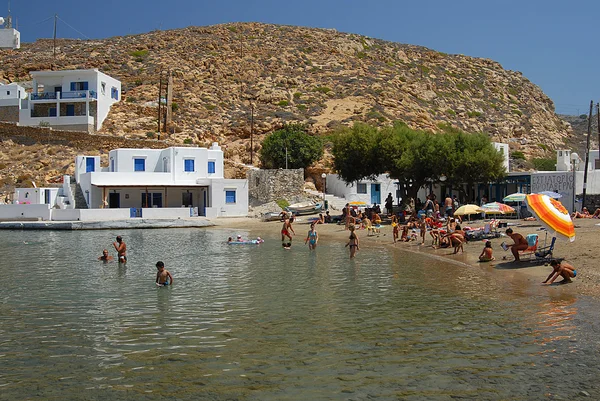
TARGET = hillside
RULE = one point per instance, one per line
(321, 77)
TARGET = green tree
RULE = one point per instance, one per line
(356, 152)
(302, 149)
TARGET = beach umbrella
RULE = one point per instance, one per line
(467, 209)
(516, 197)
(552, 214)
(497, 208)
(357, 203)
(554, 195)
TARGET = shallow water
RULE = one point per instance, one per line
(263, 323)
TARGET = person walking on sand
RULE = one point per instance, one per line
(121, 248)
(312, 237)
(519, 245)
(287, 227)
(564, 269)
(486, 254)
(353, 242)
(163, 276)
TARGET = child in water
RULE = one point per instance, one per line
(486, 254)
(353, 242)
(163, 276)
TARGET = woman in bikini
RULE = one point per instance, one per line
(353, 242)
(312, 238)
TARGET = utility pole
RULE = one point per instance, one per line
(251, 133)
(597, 165)
(587, 154)
(54, 42)
(159, 102)
(169, 102)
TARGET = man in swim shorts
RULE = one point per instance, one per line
(287, 227)
(163, 276)
(519, 245)
(105, 256)
(121, 248)
(563, 269)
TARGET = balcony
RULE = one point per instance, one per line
(64, 95)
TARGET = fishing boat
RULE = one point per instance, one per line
(304, 208)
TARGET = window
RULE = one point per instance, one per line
(8, 93)
(79, 86)
(151, 199)
(139, 164)
(361, 188)
(112, 164)
(103, 88)
(188, 165)
(211, 167)
(230, 196)
(114, 93)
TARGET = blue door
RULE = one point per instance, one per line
(376, 193)
(89, 164)
(70, 110)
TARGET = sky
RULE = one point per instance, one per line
(552, 42)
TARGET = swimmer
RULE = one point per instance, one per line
(121, 249)
(486, 254)
(312, 237)
(353, 242)
(230, 239)
(563, 269)
(105, 256)
(163, 276)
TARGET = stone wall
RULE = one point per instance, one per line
(9, 113)
(271, 185)
(592, 202)
(80, 140)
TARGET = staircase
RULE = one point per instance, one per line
(335, 202)
(80, 202)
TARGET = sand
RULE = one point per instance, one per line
(579, 253)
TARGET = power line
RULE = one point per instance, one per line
(79, 32)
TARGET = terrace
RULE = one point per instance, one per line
(73, 95)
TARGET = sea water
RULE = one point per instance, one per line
(252, 322)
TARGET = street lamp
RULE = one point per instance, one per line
(324, 177)
(574, 163)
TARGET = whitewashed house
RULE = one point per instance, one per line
(10, 38)
(74, 100)
(365, 190)
(11, 96)
(176, 177)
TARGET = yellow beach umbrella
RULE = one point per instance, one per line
(467, 209)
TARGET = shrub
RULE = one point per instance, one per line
(131, 99)
(583, 116)
(518, 155)
(517, 112)
(139, 55)
(301, 107)
(473, 114)
(283, 103)
(451, 112)
(544, 164)
(322, 89)
(462, 86)
(174, 107)
(150, 135)
(188, 141)
(297, 95)
(138, 82)
(210, 106)
(361, 55)
(44, 124)
(282, 203)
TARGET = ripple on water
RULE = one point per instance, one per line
(264, 323)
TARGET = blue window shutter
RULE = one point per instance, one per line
(116, 94)
(73, 86)
(211, 167)
(229, 196)
(139, 165)
(85, 86)
(189, 165)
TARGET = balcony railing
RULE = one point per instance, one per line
(64, 95)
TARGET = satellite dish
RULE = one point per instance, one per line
(1, 21)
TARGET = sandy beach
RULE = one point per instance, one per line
(578, 253)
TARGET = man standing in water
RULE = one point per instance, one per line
(287, 227)
(121, 249)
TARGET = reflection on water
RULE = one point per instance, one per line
(263, 323)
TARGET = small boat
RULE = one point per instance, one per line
(304, 208)
(272, 216)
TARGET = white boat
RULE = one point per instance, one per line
(304, 208)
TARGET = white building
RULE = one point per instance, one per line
(75, 100)
(502, 148)
(11, 96)
(10, 38)
(368, 191)
(162, 178)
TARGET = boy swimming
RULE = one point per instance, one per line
(163, 276)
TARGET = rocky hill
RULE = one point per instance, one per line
(292, 74)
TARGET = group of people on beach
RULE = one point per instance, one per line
(163, 276)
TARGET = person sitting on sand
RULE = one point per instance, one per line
(519, 245)
(584, 214)
(321, 219)
(486, 254)
(563, 269)
(105, 256)
(163, 276)
(328, 218)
